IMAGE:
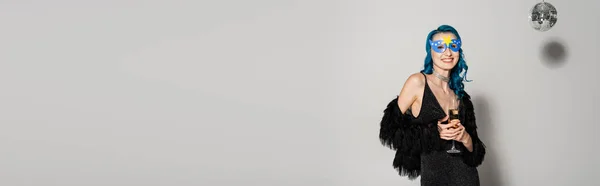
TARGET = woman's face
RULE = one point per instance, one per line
(445, 50)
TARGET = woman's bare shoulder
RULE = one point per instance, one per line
(415, 81)
(411, 91)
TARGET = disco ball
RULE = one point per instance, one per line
(543, 16)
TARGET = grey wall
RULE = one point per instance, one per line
(280, 92)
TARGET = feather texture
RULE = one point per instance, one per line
(410, 137)
(474, 158)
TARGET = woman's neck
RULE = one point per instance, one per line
(440, 71)
(442, 79)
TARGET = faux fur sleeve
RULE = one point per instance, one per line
(402, 133)
(474, 158)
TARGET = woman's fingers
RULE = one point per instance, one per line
(446, 138)
(448, 134)
(445, 126)
(450, 131)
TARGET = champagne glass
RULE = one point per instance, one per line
(453, 114)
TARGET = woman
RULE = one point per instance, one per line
(413, 123)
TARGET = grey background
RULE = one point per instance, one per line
(280, 92)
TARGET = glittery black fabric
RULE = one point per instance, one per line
(419, 149)
(441, 168)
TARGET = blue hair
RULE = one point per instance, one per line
(456, 80)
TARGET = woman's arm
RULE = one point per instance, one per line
(468, 143)
(400, 132)
(413, 87)
(475, 148)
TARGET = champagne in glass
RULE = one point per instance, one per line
(453, 114)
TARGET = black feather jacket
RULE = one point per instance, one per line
(411, 138)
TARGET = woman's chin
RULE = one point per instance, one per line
(446, 66)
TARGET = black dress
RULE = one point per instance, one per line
(421, 152)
